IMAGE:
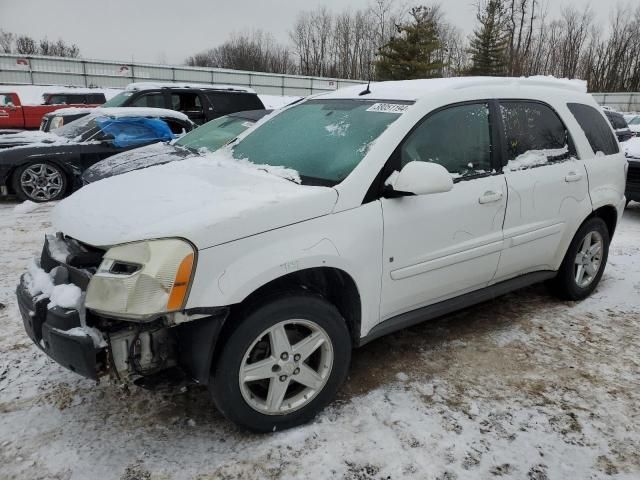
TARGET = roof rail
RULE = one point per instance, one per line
(533, 81)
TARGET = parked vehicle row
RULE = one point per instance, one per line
(256, 269)
(619, 124)
(16, 114)
(41, 167)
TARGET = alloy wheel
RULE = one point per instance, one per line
(41, 182)
(588, 259)
(286, 367)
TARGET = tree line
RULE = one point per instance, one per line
(26, 45)
(388, 40)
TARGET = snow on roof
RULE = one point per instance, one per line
(272, 102)
(219, 86)
(72, 110)
(117, 112)
(33, 94)
(415, 89)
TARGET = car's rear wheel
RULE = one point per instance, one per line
(284, 362)
(584, 262)
(40, 182)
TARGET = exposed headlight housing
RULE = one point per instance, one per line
(57, 122)
(142, 279)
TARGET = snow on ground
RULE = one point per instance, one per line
(523, 387)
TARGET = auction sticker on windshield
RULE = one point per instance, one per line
(388, 107)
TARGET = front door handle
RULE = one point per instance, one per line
(573, 177)
(490, 196)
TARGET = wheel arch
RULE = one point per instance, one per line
(609, 214)
(332, 284)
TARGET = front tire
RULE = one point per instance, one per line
(40, 182)
(285, 360)
(584, 262)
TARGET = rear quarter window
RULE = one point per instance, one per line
(595, 128)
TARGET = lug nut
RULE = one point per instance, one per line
(283, 378)
(296, 357)
(296, 371)
(284, 356)
(275, 368)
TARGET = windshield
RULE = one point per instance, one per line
(635, 121)
(214, 134)
(83, 127)
(118, 100)
(324, 140)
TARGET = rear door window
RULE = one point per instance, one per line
(534, 135)
(154, 100)
(225, 103)
(595, 128)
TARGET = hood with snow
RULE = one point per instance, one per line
(33, 137)
(139, 158)
(207, 200)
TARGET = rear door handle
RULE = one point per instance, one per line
(490, 196)
(573, 177)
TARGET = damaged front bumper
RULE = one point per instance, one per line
(130, 351)
(49, 327)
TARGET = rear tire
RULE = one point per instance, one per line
(40, 182)
(584, 262)
(265, 380)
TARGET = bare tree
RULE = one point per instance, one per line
(6, 41)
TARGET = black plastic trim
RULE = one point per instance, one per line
(439, 309)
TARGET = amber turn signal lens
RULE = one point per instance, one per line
(181, 284)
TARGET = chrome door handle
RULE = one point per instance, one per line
(490, 196)
(573, 177)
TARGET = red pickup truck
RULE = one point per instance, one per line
(15, 114)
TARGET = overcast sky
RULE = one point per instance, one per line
(167, 31)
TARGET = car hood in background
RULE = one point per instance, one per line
(143, 157)
(32, 137)
(207, 200)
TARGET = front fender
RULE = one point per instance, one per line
(350, 241)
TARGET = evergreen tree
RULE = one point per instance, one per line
(412, 52)
(488, 45)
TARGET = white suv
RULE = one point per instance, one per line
(355, 213)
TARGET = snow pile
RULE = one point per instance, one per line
(27, 207)
(533, 158)
(39, 283)
(632, 147)
(66, 295)
(58, 249)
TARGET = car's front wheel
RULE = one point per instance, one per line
(40, 182)
(584, 261)
(283, 363)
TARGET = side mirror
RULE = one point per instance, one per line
(423, 178)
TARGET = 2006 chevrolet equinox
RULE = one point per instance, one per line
(350, 215)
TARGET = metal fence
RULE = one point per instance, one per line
(623, 102)
(40, 70)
